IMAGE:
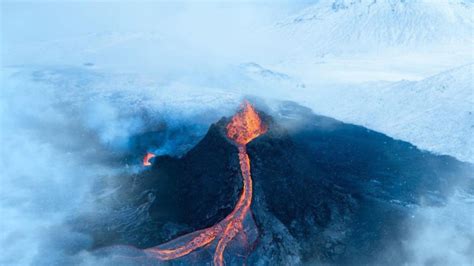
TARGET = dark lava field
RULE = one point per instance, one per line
(324, 192)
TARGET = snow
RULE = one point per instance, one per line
(400, 67)
(381, 64)
(76, 77)
(350, 26)
(369, 40)
(436, 113)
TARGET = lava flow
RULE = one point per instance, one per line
(147, 158)
(245, 126)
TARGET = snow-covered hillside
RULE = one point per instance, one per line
(330, 50)
(436, 113)
(367, 40)
(79, 78)
(348, 26)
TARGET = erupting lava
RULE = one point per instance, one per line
(243, 128)
(147, 157)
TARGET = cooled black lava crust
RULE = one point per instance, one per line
(324, 191)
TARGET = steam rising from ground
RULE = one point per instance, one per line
(443, 235)
(64, 129)
(45, 175)
(60, 151)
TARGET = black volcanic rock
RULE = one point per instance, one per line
(324, 191)
(200, 188)
(204, 183)
(174, 196)
(339, 190)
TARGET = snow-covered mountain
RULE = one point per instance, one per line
(78, 79)
(436, 113)
(362, 40)
(335, 26)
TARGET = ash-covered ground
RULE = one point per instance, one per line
(325, 192)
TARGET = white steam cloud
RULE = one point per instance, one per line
(77, 80)
(443, 235)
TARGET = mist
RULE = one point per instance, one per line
(80, 79)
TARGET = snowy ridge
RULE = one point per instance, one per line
(436, 114)
(370, 40)
(334, 26)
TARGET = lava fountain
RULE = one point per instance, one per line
(244, 126)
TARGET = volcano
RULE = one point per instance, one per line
(243, 128)
(282, 189)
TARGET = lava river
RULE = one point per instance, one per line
(244, 126)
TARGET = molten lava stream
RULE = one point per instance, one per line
(236, 224)
(243, 127)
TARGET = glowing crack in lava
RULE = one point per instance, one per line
(243, 128)
(147, 158)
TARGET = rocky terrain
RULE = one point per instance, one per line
(324, 191)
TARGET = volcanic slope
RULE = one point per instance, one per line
(324, 191)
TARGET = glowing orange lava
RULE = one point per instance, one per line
(147, 157)
(245, 126)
